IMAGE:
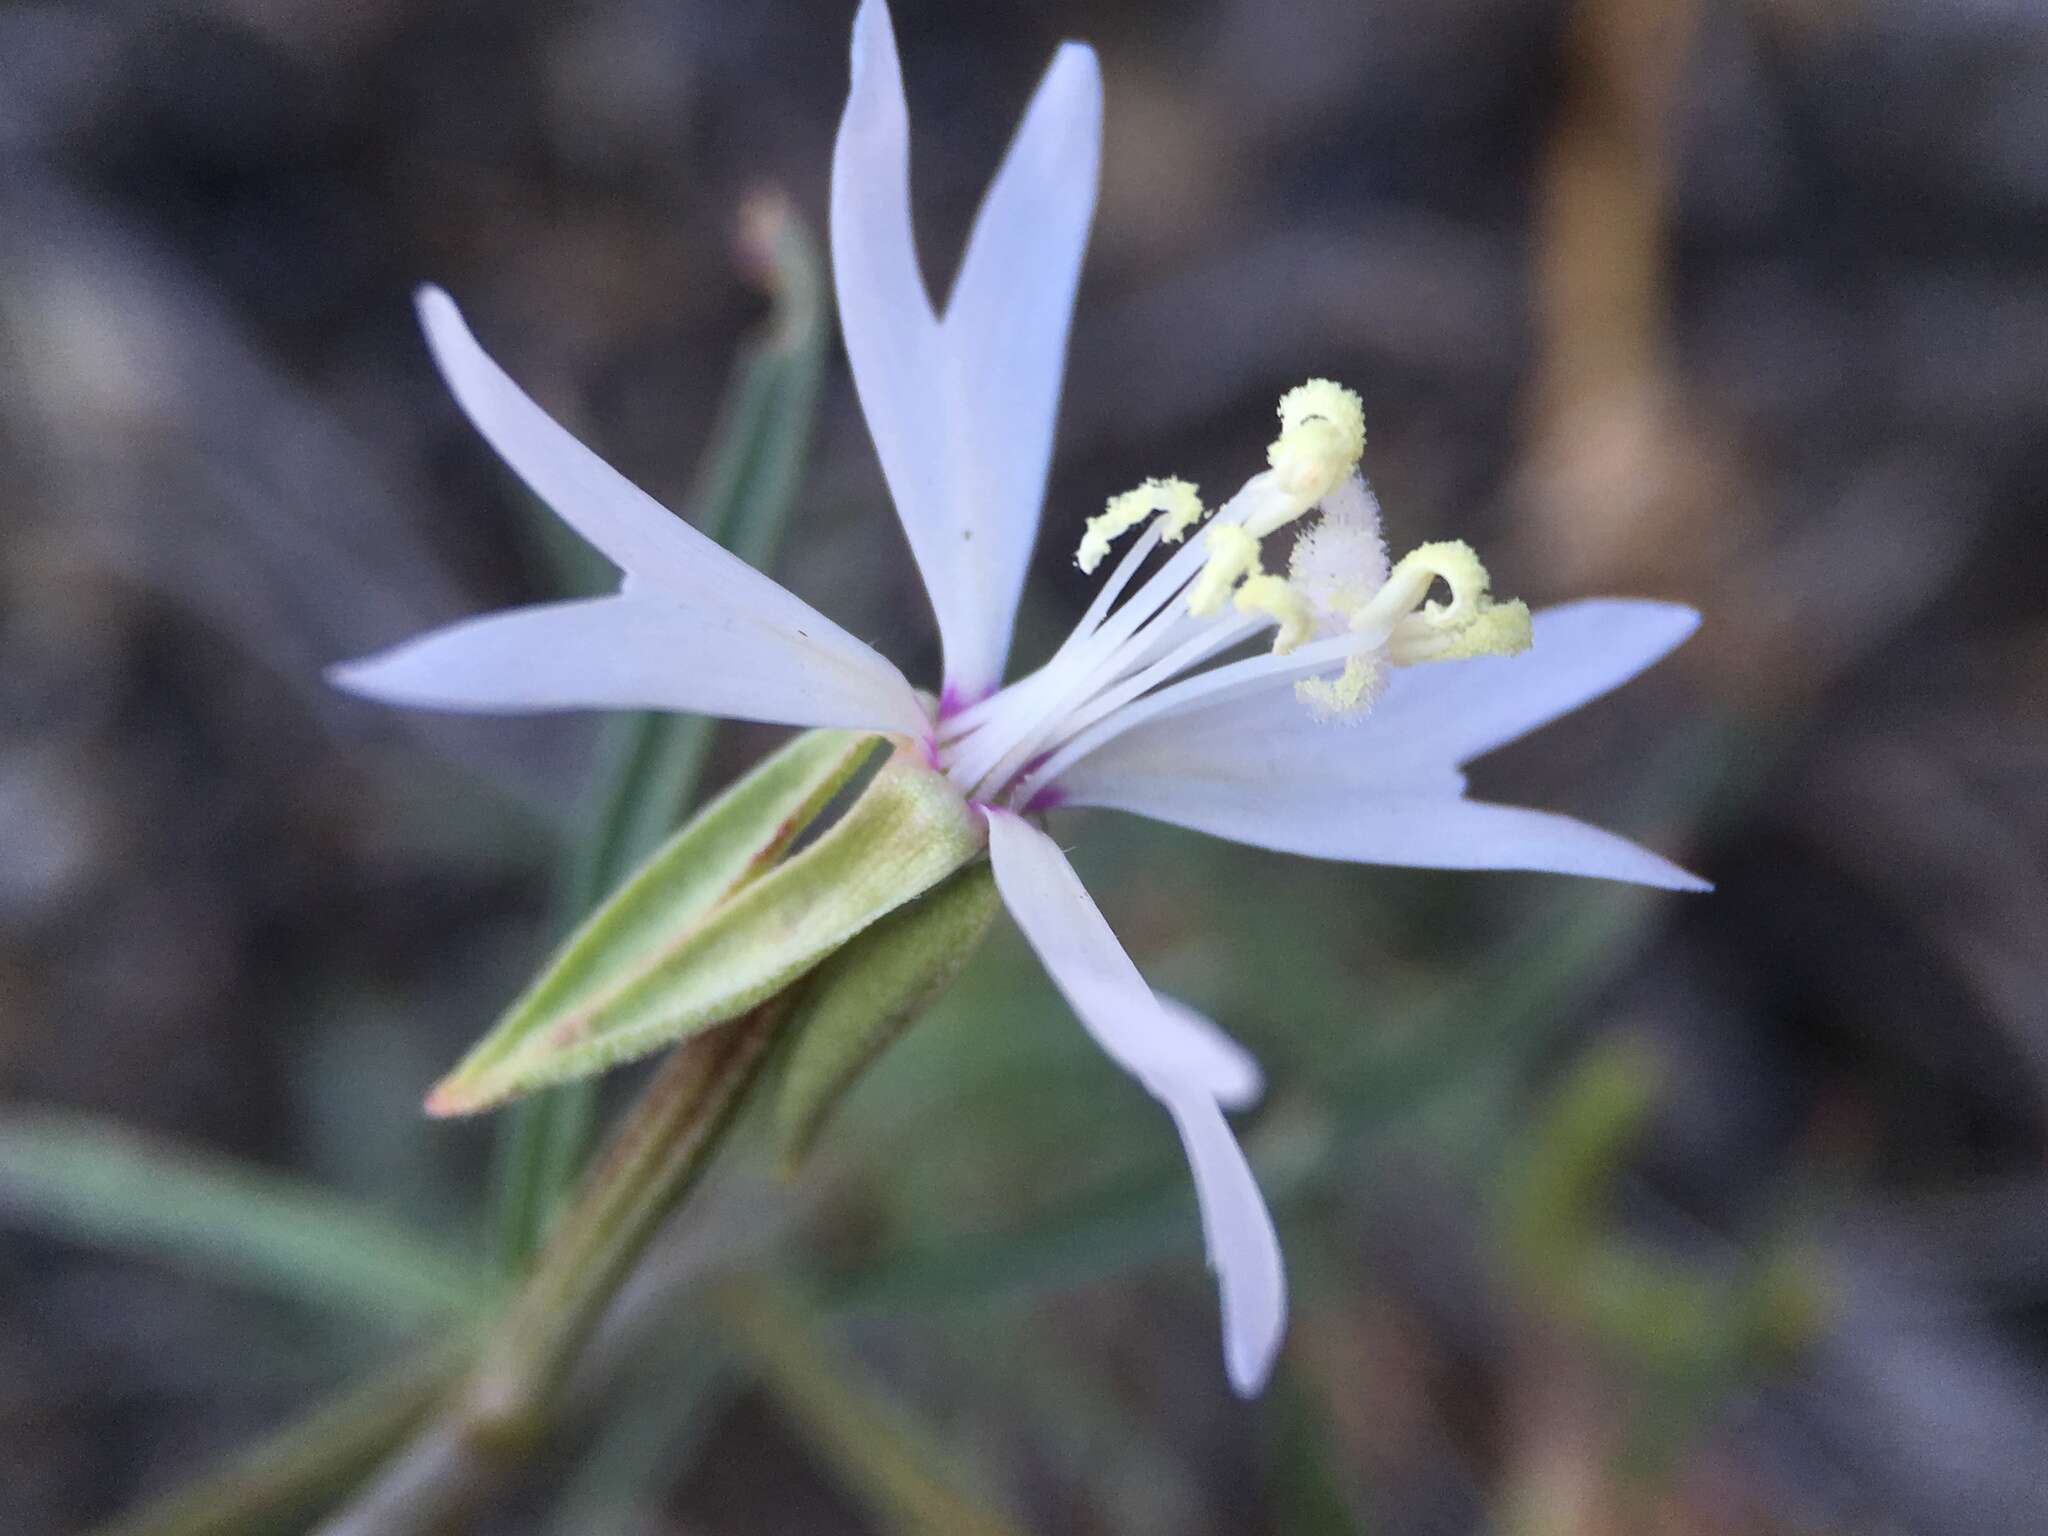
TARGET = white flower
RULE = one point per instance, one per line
(1135, 711)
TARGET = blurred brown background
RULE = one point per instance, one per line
(1744, 304)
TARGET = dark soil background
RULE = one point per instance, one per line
(1743, 304)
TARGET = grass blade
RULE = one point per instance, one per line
(104, 1185)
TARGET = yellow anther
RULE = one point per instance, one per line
(1322, 435)
(1178, 501)
(1349, 694)
(1274, 598)
(1326, 400)
(1180, 508)
(1232, 553)
(1470, 624)
(1497, 629)
(1453, 563)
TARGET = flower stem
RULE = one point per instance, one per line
(505, 1404)
(284, 1480)
(656, 1156)
(886, 1459)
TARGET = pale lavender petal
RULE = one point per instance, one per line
(1005, 334)
(1067, 931)
(629, 527)
(1262, 747)
(1460, 710)
(696, 629)
(632, 530)
(1243, 1248)
(1232, 1072)
(962, 411)
(1259, 768)
(885, 314)
(1436, 830)
(635, 651)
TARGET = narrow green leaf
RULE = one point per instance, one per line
(1308, 1475)
(736, 839)
(102, 1184)
(1557, 1177)
(861, 999)
(749, 480)
(640, 979)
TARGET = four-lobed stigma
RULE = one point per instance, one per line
(1338, 579)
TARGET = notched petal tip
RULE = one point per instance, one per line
(874, 38)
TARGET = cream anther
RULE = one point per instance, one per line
(1498, 629)
(1233, 553)
(1322, 435)
(1452, 563)
(1177, 502)
(1271, 597)
(1348, 695)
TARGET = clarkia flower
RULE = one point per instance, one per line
(1342, 738)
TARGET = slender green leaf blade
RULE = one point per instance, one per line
(667, 980)
(102, 1184)
(737, 838)
(861, 999)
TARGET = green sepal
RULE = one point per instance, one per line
(713, 924)
(855, 1005)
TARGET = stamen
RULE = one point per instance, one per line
(1088, 660)
(1202, 646)
(1214, 686)
(1498, 629)
(1177, 501)
(1274, 598)
(1470, 624)
(1453, 563)
(1341, 619)
(1326, 400)
(1322, 436)
(1348, 695)
(1233, 552)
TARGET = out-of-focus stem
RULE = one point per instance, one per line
(504, 1405)
(657, 1155)
(282, 1482)
(881, 1456)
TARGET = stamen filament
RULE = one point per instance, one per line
(1211, 687)
(1211, 641)
(1024, 688)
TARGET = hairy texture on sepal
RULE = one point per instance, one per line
(854, 1006)
(715, 924)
